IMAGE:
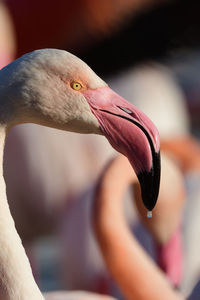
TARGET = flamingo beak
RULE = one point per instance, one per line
(131, 133)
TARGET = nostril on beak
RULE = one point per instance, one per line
(128, 111)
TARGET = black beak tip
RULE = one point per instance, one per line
(150, 183)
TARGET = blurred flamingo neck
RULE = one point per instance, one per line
(16, 279)
(2, 143)
(136, 275)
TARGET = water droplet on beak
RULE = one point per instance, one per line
(149, 214)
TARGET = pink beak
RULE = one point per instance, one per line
(131, 133)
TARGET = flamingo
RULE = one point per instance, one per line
(56, 89)
(135, 274)
(186, 152)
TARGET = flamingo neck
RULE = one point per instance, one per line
(136, 275)
(16, 279)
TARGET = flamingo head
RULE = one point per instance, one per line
(54, 88)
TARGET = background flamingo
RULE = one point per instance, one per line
(176, 141)
(125, 259)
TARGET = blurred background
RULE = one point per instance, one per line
(149, 52)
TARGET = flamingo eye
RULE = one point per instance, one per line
(76, 86)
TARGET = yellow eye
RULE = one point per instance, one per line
(76, 86)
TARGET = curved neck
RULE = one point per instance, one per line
(16, 279)
(136, 275)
